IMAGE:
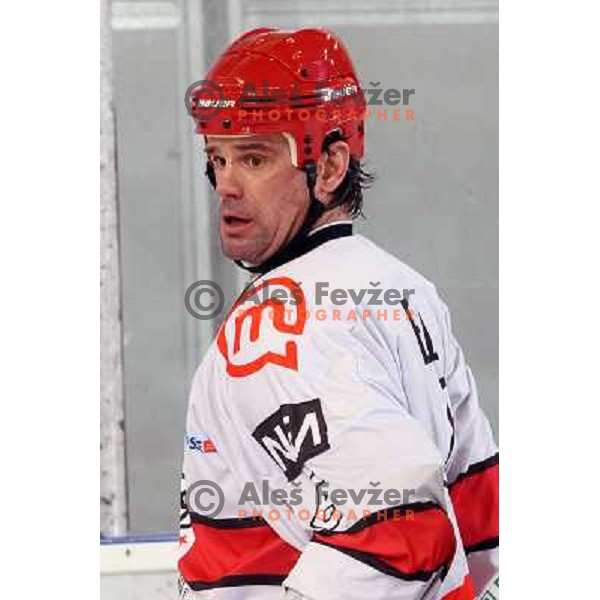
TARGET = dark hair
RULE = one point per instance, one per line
(350, 191)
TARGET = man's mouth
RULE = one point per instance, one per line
(234, 222)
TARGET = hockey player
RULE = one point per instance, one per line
(367, 426)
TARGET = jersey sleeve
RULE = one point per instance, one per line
(473, 471)
(394, 536)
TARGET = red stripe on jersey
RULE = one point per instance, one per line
(412, 546)
(465, 592)
(475, 497)
(218, 554)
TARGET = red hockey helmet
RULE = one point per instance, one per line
(299, 83)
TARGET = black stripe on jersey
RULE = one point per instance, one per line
(382, 515)
(478, 467)
(485, 545)
(451, 419)
(230, 523)
(237, 580)
(383, 567)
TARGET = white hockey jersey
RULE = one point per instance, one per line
(334, 443)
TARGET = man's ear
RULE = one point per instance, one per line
(331, 170)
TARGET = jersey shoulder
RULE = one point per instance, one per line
(347, 261)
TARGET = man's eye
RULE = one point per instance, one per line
(254, 160)
(218, 162)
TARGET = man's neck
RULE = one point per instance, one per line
(332, 217)
(336, 215)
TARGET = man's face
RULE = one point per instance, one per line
(264, 198)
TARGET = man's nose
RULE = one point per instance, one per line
(228, 184)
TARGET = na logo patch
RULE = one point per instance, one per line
(294, 434)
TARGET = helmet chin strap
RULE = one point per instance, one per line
(295, 246)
